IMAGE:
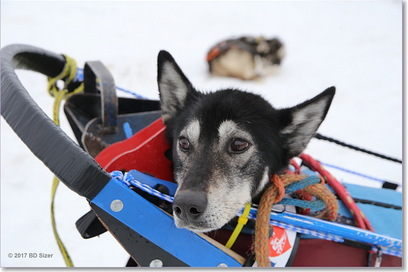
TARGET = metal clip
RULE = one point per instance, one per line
(378, 258)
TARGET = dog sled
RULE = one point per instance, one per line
(118, 165)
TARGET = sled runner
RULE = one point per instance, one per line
(119, 166)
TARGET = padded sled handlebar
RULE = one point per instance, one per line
(72, 165)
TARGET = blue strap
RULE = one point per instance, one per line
(315, 205)
(128, 130)
(301, 184)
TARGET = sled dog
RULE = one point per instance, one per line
(225, 145)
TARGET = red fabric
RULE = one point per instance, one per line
(323, 253)
(144, 152)
(313, 252)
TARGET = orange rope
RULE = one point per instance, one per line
(262, 224)
(274, 194)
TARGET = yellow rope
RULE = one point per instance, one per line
(242, 220)
(61, 246)
(67, 75)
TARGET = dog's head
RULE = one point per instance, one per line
(226, 144)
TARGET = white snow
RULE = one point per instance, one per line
(353, 45)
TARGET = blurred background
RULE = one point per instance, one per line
(353, 45)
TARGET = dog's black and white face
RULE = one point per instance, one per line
(225, 145)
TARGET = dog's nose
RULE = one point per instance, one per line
(189, 205)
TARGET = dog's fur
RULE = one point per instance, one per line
(225, 145)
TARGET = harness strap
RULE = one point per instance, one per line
(242, 220)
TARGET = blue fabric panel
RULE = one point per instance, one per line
(375, 194)
(385, 221)
(344, 211)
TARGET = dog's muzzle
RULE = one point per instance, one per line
(188, 207)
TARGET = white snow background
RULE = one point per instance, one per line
(355, 46)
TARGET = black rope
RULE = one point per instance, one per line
(376, 203)
(325, 138)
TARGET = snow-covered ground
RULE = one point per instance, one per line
(355, 46)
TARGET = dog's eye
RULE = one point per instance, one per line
(239, 146)
(184, 144)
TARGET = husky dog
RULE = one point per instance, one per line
(246, 57)
(226, 145)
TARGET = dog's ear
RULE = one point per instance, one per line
(301, 122)
(174, 87)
